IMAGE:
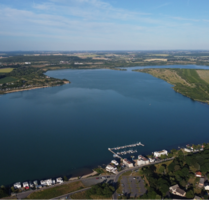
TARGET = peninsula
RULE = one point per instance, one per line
(189, 82)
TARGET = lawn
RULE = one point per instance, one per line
(6, 70)
(7, 80)
(82, 196)
(56, 191)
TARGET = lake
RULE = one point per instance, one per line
(66, 130)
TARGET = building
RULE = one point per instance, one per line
(142, 160)
(127, 163)
(160, 153)
(198, 174)
(175, 189)
(201, 183)
(188, 150)
(59, 180)
(35, 183)
(27, 63)
(17, 185)
(46, 182)
(25, 184)
(110, 168)
(151, 160)
(206, 185)
(115, 162)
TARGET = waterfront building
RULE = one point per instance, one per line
(115, 162)
(112, 169)
(25, 184)
(142, 160)
(127, 163)
(59, 180)
(46, 182)
(177, 191)
(151, 160)
(35, 182)
(17, 185)
(206, 185)
(160, 153)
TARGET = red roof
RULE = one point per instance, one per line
(198, 173)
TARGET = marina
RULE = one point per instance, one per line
(130, 151)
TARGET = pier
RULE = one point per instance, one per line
(114, 153)
(127, 146)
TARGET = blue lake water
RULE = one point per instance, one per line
(66, 130)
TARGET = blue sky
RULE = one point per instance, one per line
(104, 24)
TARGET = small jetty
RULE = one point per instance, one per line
(128, 146)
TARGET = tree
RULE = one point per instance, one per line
(162, 169)
(190, 194)
(65, 178)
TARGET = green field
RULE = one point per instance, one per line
(56, 191)
(7, 80)
(6, 70)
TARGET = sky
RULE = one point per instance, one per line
(70, 25)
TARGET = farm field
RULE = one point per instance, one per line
(7, 80)
(6, 70)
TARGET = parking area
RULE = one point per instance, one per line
(133, 186)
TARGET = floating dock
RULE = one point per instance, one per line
(127, 146)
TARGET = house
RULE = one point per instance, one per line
(175, 189)
(188, 150)
(46, 182)
(206, 185)
(112, 169)
(31, 184)
(201, 182)
(198, 174)
(160, 153)
(127, 163)
(25, 184)
(114, 162)
(59, 180)
(27, 63)
(151, 160)
(142, 160)
(196, 197)
(17, 185)
(35, 183)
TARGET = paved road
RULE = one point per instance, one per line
(135, 168)
(67, 196)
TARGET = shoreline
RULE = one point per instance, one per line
(20, 90)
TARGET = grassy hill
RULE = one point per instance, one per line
(189, 82)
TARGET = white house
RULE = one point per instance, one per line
(35, 182)
(188, 150)
(112, 169)
(151, 160)
(46, 182)
(59, 180)
(206, 186)
(25, 184)
(160, 153)
(198, 174)
(27, 63)
(127, 163)
(142, 160)
(115, 162)
(177, 191)
(17, 185)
